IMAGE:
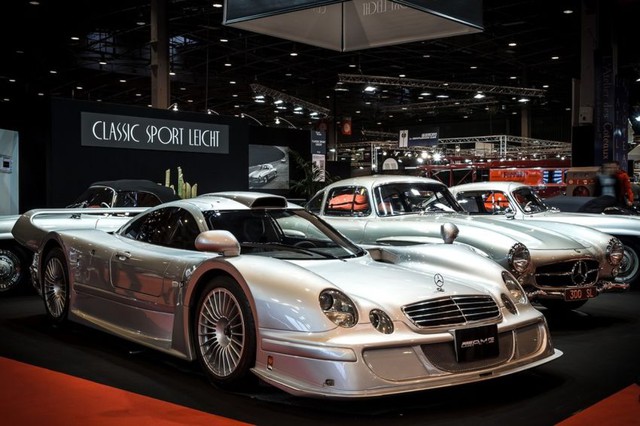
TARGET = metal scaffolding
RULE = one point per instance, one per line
(443, 85)
(277, 95)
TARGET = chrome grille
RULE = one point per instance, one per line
(452, 310)
(576, 273)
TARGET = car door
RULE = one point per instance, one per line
(142, 268)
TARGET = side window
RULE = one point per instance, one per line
(136, 199)
(315, 204)
(348, 201)
(150, 228)
(182, 230)
(495, 202)
(169, 227)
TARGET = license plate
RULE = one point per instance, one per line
(476, 343)
(582, 293)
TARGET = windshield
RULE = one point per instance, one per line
(95, 197)
(400, 198)
(528, 201)
(285, 234)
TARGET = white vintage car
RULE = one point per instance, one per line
(560, 269)
(516, 201)
(128, 196)
(248, 283)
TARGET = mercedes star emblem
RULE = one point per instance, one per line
(439, 280)
(579, 273)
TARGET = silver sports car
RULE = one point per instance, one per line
(263, 174)
(512, 200)
(135, 195)
(558, 271)
(248, 283)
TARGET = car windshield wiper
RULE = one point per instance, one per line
(280, 246)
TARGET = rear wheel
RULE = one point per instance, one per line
(55, 286)
(630, 265)
(14, 265)
(224, 333)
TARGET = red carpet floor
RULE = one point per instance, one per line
(32, 395)
(620, 409)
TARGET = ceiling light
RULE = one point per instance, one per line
(293, 54)
(232, 82)
(567, 11)
(12, 80)
(555, 57)
(402, 75)
(227, 64)
(369, 89)
(172, 73)
(512, 44)
(53, 72)
(473, 67)
(638, 118)
(138, 94)
(102, 62)
(123, 80)
(79, 87)
(224, 40)
(217, 5)
(34, 3)
(442, 96)
(523, 100)
(479, 95)
(425, 94)
(75, 38)
(513, 77)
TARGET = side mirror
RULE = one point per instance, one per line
(222, 242)
(449, 232)
(510, 214)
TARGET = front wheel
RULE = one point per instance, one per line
(224, 333)
(630, 265)
(55, 286)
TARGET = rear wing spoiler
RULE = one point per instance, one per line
(32, 227)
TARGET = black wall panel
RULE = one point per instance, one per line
(71, 167)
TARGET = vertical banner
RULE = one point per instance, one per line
(318, 154)
(605, 108)
(403, 138)
(620, 133)
(346, 126)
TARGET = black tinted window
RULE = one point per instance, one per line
(169, 227)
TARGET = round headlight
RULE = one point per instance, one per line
(519, 258)
(515, 289)
(381, 321)
(338, 308)
(615, 251)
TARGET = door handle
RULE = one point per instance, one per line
(122, 256)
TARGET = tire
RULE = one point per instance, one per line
(630, 266)
(55, 286)
(559, 305)
(14, 269)
(224, 334)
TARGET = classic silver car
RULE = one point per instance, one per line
(246, 282)
(512, 200)
(263, 174)
(556, 270)
(133, 194)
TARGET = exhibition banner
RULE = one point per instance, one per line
(318, 142)
(120, 131)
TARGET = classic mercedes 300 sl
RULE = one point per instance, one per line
(513, 200)
(249, 283)
(558, 269)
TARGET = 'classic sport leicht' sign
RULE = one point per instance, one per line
(120, 131)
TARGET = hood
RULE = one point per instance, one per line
(389, 286)
(609, 223)
(474, 229)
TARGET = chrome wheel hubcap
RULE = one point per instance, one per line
(55, 288)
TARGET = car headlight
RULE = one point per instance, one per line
(615, 251)
(381, 321)
(515, 291)
(338, 308)
(519, 258)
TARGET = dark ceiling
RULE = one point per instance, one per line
(216, 65)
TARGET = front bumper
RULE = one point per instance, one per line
(360, 364)
(559, 292)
